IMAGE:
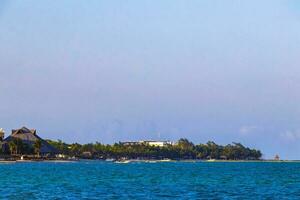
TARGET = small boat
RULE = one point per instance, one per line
(211, 160)
(165, 160)
(122, 161)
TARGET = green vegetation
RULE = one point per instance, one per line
(37, 147)
(183, 149)
(17, 146)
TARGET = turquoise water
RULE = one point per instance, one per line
(174, 180)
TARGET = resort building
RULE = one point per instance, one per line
(28, 138)
(148, 142)
(130, 143)
(156, 143)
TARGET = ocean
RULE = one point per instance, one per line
(165, 180)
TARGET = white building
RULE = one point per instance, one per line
(156, 143)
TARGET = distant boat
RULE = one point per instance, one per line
(123, 161)
(165, 160)
(211, 160)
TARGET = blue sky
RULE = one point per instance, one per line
(107, 71)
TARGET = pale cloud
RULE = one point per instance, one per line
(290, 136)
(246, 130)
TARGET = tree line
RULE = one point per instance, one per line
(183, 149)
(17, 147)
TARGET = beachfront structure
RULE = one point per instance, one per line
(155, 143)
(130, 143)
(29, 138)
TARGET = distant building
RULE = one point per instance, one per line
(130, 143)
(29, 137)
(156, 143)
(277, 157)
(148, 142)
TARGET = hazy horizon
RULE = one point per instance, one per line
(109, 71)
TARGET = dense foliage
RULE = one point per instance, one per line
(183, 149)
(16, 146)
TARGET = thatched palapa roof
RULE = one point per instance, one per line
(29, 136)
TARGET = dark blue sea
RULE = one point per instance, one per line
(170, 180)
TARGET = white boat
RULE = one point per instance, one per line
(165, 160)
(211, 160)
(123, 161)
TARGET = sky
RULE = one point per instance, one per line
(109, 71)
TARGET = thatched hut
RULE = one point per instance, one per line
(29, 137)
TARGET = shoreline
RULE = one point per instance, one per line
(208, 161)
(125, 161)
(36, 161)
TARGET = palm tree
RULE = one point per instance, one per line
(19, 145)
(12, 147)
(15, 146)
(37, 147)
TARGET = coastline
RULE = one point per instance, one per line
(146, 161)
(150, 161)
(208, 161)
